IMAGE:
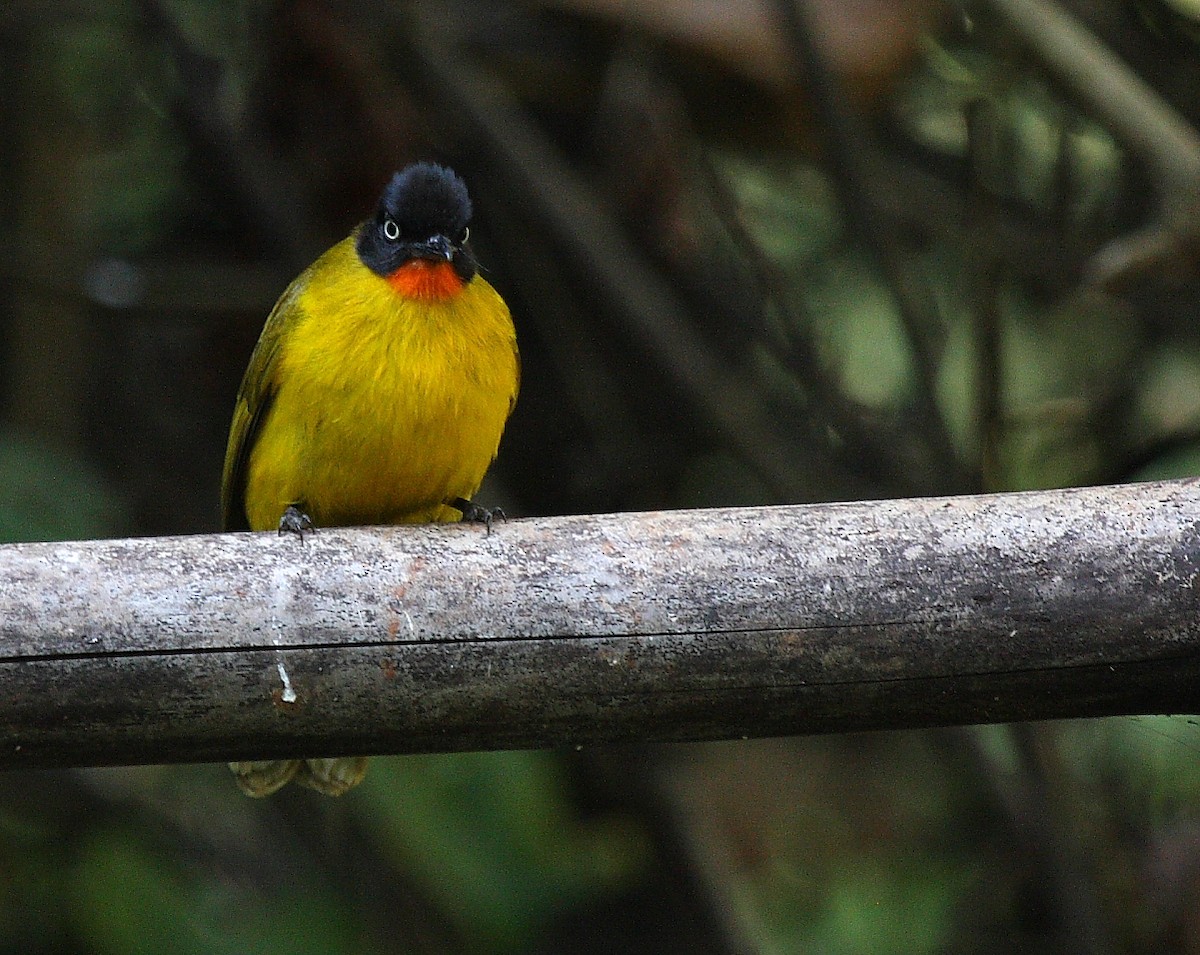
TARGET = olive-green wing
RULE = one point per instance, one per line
(512, 399)
(254, 399)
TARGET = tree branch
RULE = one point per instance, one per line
(634, 627)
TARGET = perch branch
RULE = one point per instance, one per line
(577, 630)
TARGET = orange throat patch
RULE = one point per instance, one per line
(421, 278)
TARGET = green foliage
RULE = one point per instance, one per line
(131, 175)
(48, 494)
(135, 190)
(127, 898)
(853, 866)
(491, 836)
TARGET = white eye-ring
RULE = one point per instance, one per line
(391, 231)
(466, 234)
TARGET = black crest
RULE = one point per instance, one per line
(425, 200)
(423, 213)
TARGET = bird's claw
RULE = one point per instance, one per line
(295, 521)
(473, 513)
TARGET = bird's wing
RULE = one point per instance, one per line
(254, 399)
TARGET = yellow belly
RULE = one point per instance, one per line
(385, 408)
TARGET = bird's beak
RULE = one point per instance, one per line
(436, 247)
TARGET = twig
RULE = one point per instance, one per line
(867, 450)
(274, 203)
(1073, 892)
(1139, 117)
(983, 292)
(845, 143)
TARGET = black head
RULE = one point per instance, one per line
(423, 214)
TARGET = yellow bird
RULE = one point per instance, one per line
(377, 394)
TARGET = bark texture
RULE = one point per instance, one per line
(576, 630)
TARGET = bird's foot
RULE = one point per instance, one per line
(474, 513)
(295, 521)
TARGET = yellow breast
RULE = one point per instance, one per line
(385, 407)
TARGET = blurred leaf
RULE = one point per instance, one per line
(220, 31)
(861, 333)
(31, 885)
(1154, 758)
(129, 900)
(787, 205)
(83, 55)
(957, 387)
(1180, 463)
(132, 174)
(1170, 398)
(135, 190)
(1058, 366)
(1077, 350)
(493, 837)
(877, 909)
(46, 494)
(825, 847)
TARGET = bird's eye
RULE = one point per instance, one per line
(466, 235)
(391, 231)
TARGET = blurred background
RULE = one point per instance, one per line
(758, 251)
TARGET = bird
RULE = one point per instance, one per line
(377, 394)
